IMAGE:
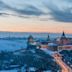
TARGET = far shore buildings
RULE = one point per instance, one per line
(62, 43)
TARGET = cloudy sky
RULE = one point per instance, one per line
(36, 15)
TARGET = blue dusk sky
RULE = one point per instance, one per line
(36, 15)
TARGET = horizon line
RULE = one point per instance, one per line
(35, 32)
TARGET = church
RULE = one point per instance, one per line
(64, 43)
(63, 39)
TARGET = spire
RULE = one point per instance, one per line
(63, 36)
(48, 38)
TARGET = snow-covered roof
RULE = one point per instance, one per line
(52, 44)
(48, 51)
(9, 71)
(69, 44)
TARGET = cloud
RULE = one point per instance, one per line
(3, 6)
(24, 10)
(60, 10)
(29, 10)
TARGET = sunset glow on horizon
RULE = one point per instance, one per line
(33, 25)
(18, 19)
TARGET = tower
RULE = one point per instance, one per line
(48, 38)
(31, 44)
(30, 39)
(63, 36)
(63, 39)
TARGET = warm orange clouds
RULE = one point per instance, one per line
(33, 25)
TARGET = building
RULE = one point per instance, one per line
(64, 43)
(52, 46)
(65, 47)
(44, 44)
(48, 39)
(30, 39)
(63, 40)
(30, 42)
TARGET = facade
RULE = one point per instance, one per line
(53, 47)
(65, 47)
(30, 39)
(63, 40)
(63, 43)
(31, 43)
(44, 44)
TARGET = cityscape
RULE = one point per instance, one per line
(36, 54)
(57, 45)
(35, 36)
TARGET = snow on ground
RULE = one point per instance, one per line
(48, 71)
(9, 45)
(48, 51)
(9, 71)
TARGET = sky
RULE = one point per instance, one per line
(36, 15)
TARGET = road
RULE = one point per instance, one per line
(64, 66)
